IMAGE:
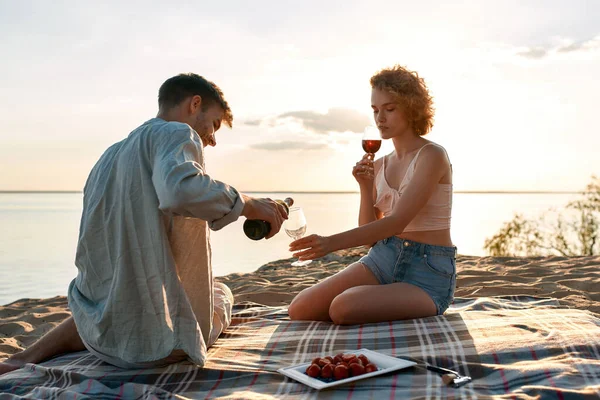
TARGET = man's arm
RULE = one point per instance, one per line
(184, 188)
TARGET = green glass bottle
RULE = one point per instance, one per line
(257, 229)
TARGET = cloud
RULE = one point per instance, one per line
(288, 145)
(581, 46)
(254, 122)
(535, 53)
(334, 120)
(542, 52)
(572, 47)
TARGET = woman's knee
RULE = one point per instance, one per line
(342, 308)
(297, 308)
(293, 309)
(308, 305)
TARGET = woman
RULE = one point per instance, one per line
(405, 207)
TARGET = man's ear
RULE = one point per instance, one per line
(195, 103)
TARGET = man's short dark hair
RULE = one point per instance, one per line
(178, 88)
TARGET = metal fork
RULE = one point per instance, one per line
(457, 382)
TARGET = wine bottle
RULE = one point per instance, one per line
(257, 229)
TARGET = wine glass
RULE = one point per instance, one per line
(371, 140)
(295, 227)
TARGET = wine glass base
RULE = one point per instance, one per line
(301, 263)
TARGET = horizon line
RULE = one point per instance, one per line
(323, 192)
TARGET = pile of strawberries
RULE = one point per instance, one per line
(340, 366)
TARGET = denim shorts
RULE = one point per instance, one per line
(431, 268)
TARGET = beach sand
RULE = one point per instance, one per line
(575, 281)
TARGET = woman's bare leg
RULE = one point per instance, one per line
(391, 302)
(313, 303)
(62, 339)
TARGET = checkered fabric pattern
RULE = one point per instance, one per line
(512, 347)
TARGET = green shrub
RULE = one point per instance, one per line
(573, 232)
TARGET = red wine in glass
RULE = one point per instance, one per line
(371, 146)
(371, 140)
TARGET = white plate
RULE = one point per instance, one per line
(384, 363)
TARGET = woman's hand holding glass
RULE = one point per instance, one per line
(363, 171)
(295, 227)
(311, 247)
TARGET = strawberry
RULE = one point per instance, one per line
(357, 369)
(314, 371)
(323, 361)
(348, 357)
(363, 359)
(370, 368)
(327, 371)
(340, 372)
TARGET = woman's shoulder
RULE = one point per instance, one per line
(433, 149)
(433, 154)
(433, 145)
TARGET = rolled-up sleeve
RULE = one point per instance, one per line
(183, 187)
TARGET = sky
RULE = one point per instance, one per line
(515, 85)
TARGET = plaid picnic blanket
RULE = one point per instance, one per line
(512, 347)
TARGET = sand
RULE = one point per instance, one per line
(575, 281)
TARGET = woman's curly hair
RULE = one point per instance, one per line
(411, 94)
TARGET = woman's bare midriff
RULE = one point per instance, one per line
(437, 238)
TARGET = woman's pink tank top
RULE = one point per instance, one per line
(433, 216)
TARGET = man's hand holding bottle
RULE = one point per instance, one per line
(265, 209)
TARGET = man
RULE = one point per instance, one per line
(144, 294)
